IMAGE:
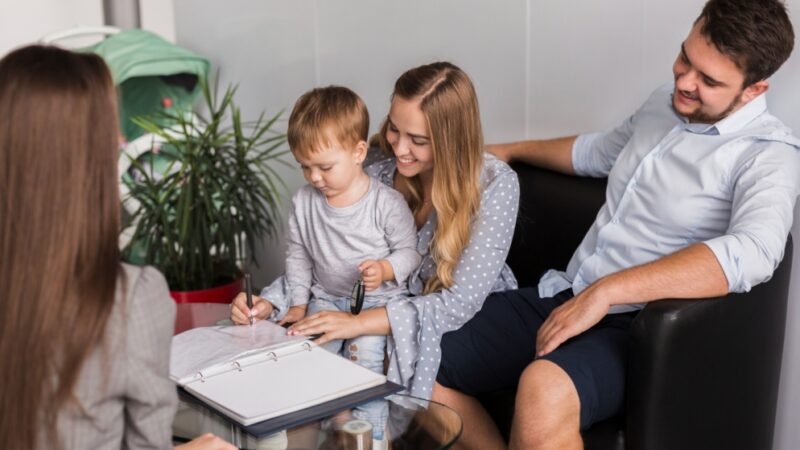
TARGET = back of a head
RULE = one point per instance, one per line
(756, 34)
(325, 114)
(59, 225)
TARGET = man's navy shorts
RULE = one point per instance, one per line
(489, 352)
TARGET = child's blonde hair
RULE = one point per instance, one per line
(324, 115)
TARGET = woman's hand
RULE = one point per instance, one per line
(240, 313)
(206, 442)
(333, 325)
(294, 314)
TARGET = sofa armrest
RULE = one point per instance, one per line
(704, 373)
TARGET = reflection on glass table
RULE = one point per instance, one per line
(193, 315)
(412, 424)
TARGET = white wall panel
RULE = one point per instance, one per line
(366, 45)
(665, 25)
(268, 49)
(585, 65)
(158, 16)
(25, 22)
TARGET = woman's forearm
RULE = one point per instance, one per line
(374, 321)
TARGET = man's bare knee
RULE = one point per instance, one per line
(547, 408)
(549, 384)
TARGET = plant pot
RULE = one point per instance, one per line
(219, 294)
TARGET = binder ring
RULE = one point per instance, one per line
(237, 365)
(202, 378)
(272, 356)
(307, 345)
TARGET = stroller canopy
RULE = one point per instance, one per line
(152, 74)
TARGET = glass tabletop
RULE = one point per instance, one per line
(412, 423)
(192, 315)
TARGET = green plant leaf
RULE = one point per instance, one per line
(216, 196)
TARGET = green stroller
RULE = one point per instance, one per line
(152, 76)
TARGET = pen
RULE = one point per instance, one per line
(249, 292)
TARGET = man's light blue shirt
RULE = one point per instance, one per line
(731, 186)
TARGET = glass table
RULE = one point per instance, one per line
(412, 423)
(193, 315)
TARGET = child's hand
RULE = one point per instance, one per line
(372, 273)
(240, 313)
(294, 314)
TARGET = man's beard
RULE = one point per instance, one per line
(698, 116)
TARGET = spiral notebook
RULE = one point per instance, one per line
(253, 374)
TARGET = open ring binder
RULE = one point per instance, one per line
(252, 374)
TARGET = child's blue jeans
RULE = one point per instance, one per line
(366, 351)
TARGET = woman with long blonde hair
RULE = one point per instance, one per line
(84, 339)
(465, 205)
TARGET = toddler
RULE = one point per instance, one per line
(344, 225)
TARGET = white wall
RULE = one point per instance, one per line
(158, 16)
(541, 68)
(25, 22)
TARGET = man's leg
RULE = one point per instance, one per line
(547, 411)
(488, 354)
(580, 383)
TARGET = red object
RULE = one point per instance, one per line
(193, 315)
(219, 294)
(166, 102)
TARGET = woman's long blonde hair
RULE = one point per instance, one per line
(59, 226)
(448, 100)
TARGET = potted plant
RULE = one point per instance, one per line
(206, 195)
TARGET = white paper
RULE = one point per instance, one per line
(210, 350)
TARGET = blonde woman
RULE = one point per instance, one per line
(84, 339)
(465, 207)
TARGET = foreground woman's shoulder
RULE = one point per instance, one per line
(495, 171)
(147, 291)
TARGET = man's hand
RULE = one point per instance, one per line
(294, 314)
(373, 273)
(572, 318)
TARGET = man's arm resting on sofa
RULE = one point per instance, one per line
(691, 273)
(553, 154)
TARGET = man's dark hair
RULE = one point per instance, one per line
(756, 34)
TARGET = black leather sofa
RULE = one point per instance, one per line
(703, 374)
